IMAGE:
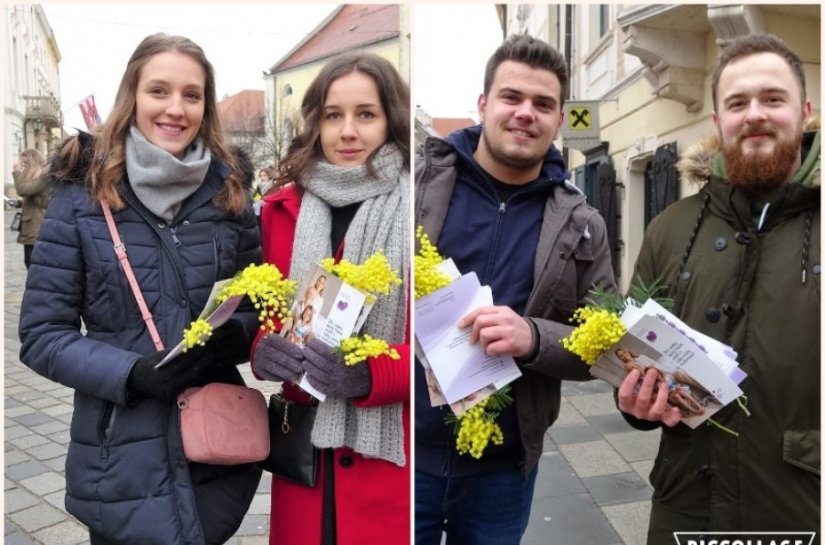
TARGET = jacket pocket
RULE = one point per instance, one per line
(104, 428)
(801, 449)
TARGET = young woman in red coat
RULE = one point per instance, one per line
(344, 192)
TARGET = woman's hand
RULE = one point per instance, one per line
(327, 372)
(278, 359)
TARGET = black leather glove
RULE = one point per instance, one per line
(229, 344)
(171, 379)
(278, 359)
(327, 372)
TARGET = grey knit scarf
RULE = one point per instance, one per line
(381, 223)
(160, 180)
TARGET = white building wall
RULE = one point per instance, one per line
(31, 69)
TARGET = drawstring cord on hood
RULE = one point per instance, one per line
(763, 216)
(806, 242)
(694, 232)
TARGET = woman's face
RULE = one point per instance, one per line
(353, 123)
(320, 283)
(264, 176)
(310, 294)
(170, 101)
(24, 160)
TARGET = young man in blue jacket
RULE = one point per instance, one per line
(495, 198)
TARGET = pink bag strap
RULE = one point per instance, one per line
(120, 251)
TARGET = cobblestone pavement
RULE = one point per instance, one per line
(592, 486)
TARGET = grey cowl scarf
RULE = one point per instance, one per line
(381, 223)
(160, 180)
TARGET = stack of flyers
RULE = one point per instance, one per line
(701, 374)
(458, 373)
(325, 308)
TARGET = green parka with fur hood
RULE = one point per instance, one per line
(748, 274)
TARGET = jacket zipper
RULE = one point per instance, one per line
(502, 209)
(170, 251)
(107, 421)
(175, 237)
(216, 248)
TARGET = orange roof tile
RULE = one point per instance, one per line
(243, 112)
(349, 27)
(446, 125)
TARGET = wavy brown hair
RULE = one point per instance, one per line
(305, 149)
(108, 166)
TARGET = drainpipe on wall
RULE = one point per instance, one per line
(568, 56)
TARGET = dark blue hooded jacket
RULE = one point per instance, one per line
(498, 241)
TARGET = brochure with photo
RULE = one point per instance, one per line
(325, 308)
(696, 385)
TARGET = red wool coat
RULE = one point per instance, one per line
(372, 497)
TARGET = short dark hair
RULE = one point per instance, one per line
(530, 51)
(752, 44)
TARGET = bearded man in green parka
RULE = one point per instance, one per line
(742, 261)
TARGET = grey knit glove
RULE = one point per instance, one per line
(328, 374)
(278, 359)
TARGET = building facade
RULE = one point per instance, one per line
(31, 116)
(647, 69)
(244, 122)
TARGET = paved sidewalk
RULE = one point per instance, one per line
(592, 484)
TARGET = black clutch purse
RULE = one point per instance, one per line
(292, 454)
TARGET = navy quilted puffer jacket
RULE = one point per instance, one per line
(127, 478)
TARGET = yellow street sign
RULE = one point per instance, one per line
(579, 119)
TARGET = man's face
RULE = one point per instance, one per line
(521, 117)
(760, 118)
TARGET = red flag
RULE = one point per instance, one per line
(89, 111)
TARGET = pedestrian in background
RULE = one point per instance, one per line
(267, 177)
(741, 260)
(35, 190)
(344, 193)
(182, 206)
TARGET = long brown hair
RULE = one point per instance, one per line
(36, 163)
(109, 161)
(305, 149)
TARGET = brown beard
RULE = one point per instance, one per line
(760, 174)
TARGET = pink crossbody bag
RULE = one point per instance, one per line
(221, 424)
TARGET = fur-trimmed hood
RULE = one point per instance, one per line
(696, 163)
(85, 156)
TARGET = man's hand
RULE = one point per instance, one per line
(650, 402)
(500, 330)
